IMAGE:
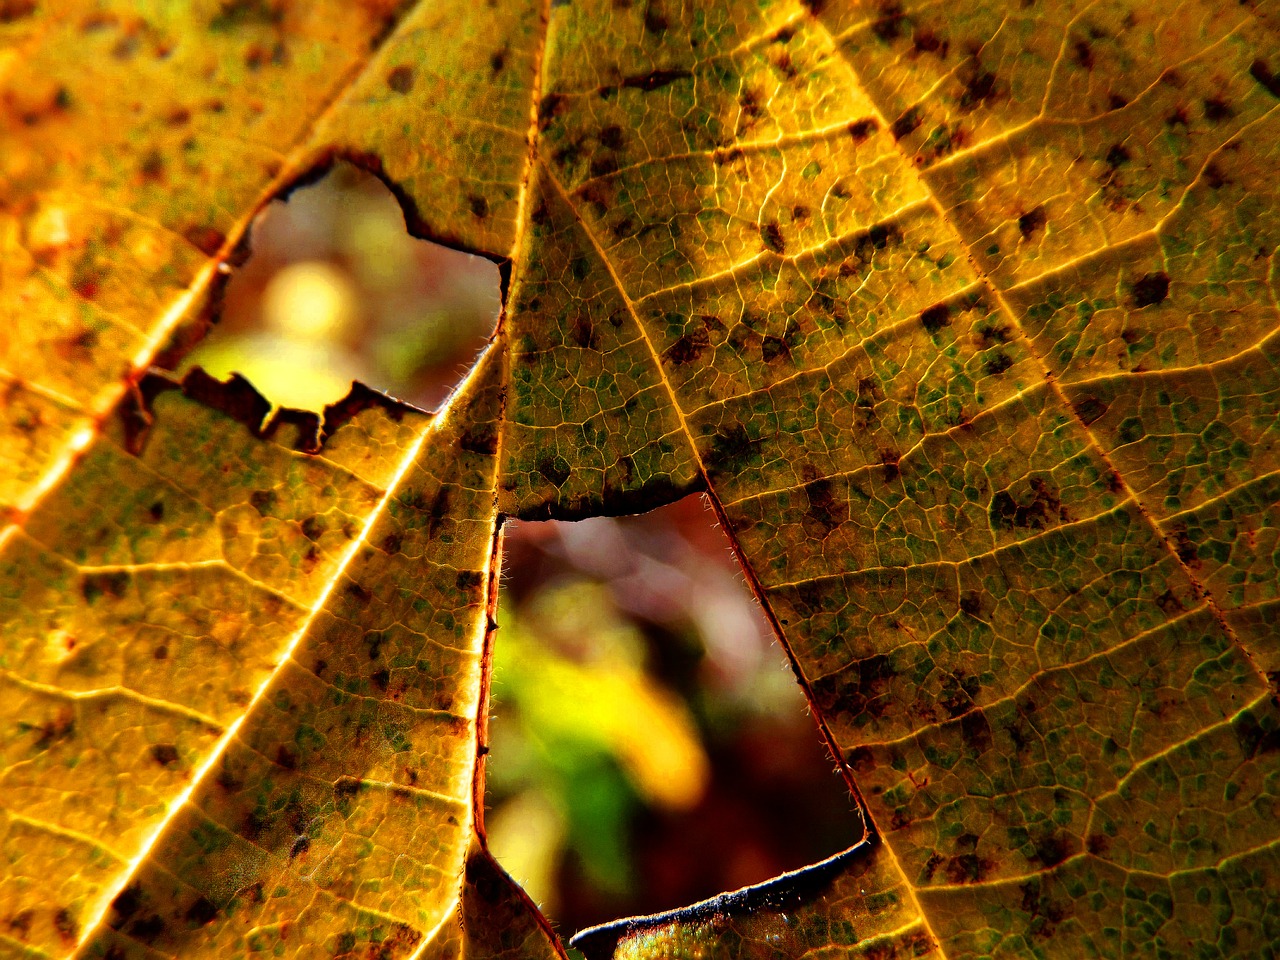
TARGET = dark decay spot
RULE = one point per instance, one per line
(906, 123)
(554, 469)
(1214, 176)
(825, 506)
(1090, 410)
(201, 912)
(468, 580)
(1082, 53)
(313, 528)
(391, 544)
(549, 107)
(400, 79)
(65, 924)
(286, 758)
(998, 363)
(20, 922)
(771, 234)
(359, 592)
(95, 585)
(891, 23)
(480, 439)
(976, 732)
(1216, 110)
(12, 11)
(479, 206)
(971, 603)
(979, 86)
(814, 7)
(1261, 71)
(156, 512)
(936, 317)
(688, 348)
(612, 137)
(357, 400)
(165, 754)
(1185, 547)
(655, 79)
(1052, 849)
(1169, 603)
(860, 130)
(732, 449)
(859, 692)
(655, 20)
(583, 333)
(1257, 735)
(1007, 513)
(233, 14)
(498, 60)
(263, 501)
(1117, 156)
(967, 868)
(890, 460)
(924, 40)
(125, 905)
(1031, 222)
(381, 678)
(1151, 289)
(774, 348)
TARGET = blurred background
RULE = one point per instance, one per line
(650, 746)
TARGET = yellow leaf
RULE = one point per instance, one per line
(963, 315)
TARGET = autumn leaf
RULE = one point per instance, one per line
(964, 318)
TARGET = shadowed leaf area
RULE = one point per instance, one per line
(963, 316)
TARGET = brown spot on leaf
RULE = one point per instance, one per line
(1082, 53)
(655, 79)
(1090, 410)
(860, 130)
(731, 451)
(1217, 109)
(165, 754)
(1151, 289)
(1169, 603)
(478, 205)
(582, 332)
(825, 507)
(979, 85)
(554, 469)
(998, 363)
(1032, 222)
(891, 23)
(976, 732)
(1006, 513)
(1261, 71)
(968, 868)
(936, 317)
(67, 927)
(860, 692)
(771, 234)
(95, 585)
(907, 122)
(688, 348)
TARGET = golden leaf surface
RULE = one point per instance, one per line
(964, 316)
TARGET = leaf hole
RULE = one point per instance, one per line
(649, 745)
(334, 290)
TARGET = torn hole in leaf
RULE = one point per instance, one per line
(335, 290)
(649, 745)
